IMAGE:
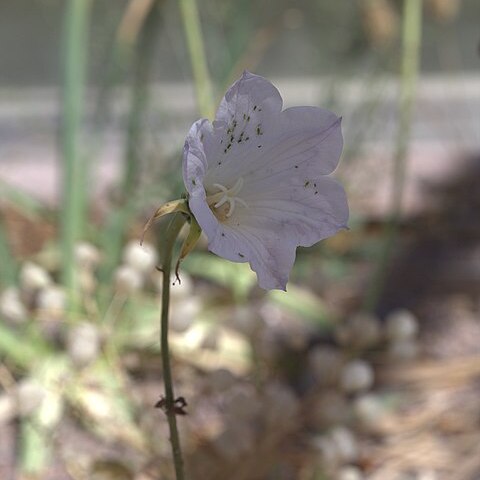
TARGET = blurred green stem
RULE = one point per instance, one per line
(120, 216)
(74, 174)
(411, 43)
(198, 59)
(9, 267)
(172, 234)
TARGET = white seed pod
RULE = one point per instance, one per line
(142, 258)
(403, 350)
(83, 343)
(325, 364)
(346, 444)
(33, 277)
(29, 395)
(127, 280)
(401, 325)
(356, 376)
(369, 411)
(350, 473)
(361, 330)
(11, 307)
(183, 313)
(52, 301)
(87, 256)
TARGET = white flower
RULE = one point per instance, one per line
(256, 178)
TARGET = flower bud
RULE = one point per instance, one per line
(142, 258)
(356, 376)
(127, 280)
(87, 256)
(33, 277)
(51, 301)
(184, 313)
(11, 307)
(83, 343)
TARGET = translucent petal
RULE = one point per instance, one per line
(281, 159)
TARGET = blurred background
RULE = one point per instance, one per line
(367, 368)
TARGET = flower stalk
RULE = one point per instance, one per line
(172, 234)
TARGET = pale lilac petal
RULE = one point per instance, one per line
(194, 169)
(270, 256)
(247, 92)
(279, 161)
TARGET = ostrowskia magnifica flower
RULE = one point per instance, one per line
(256, 178)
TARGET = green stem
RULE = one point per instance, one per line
(411, 43)
(198, 59)
(8, 272)
(122, 215)
(74, 175)
(172, 234)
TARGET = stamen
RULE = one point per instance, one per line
(222, 201)
(227, 195)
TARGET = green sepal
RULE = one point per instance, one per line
(189, 243)
(180, 205)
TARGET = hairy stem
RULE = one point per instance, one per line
(172, 234)
(411, 43)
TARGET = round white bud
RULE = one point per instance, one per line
(33, 277)
(127, 279)
(83, 343)
(142, 258)
(401, 325)
(356, 376)
(52, 301)
(11, 307)
(87, 256)
(184, 313)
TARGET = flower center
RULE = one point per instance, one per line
(225, 200)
